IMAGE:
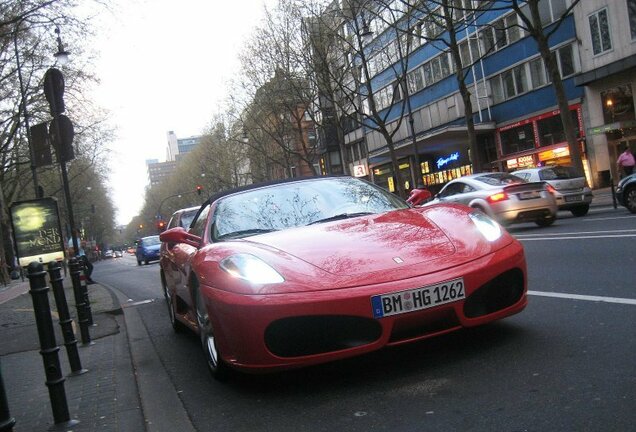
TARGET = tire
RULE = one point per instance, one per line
(216, 366)
(146, 262)
(138, 262)
(629, 198)
(545, 222)
(176, 325)
(580, 211)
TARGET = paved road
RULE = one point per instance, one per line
(565, 363)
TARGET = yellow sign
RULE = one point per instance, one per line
(36, 231)
(391, 185)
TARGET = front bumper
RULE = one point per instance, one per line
(268, 332)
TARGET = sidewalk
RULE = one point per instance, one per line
(105, 398)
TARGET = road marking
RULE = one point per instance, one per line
(584, 297)
(605, 218)
(577, 235)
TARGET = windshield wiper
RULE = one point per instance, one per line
(340, 216)
(245, 233)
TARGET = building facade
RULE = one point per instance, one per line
(607, 34)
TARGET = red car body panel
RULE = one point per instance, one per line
(333, 269)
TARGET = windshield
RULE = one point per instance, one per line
(289, 205)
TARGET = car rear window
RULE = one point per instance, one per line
(149, 241)
(559, 173)
(499, 179)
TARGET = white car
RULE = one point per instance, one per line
(570, 187)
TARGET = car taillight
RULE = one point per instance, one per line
(550, 188)
(501, 196)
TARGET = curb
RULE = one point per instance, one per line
(162, 408)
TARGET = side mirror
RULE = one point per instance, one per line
(180, 235)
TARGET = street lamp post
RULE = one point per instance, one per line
(23, 109)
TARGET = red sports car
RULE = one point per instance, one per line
(306, 271)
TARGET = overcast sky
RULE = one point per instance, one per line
(164, 65)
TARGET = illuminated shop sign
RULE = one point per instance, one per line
(520, 162)
(359, 170)
(554, 153)
(448, 159)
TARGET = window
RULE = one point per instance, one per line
(631, 11)
(600, 31)
(517, 139)
(198, 225)
(537, 73)
(500, 34)
(415, 81)
(551, 129)
(565, 57)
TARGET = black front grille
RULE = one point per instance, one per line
(306, 335)
(500, 293)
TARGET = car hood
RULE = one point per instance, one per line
(360, 251)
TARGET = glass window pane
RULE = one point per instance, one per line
(428, 74)
(566, 61)
(500, 32)
(631, 10)
(605, 30)
(437, 71)
(521, 79)
(514, 33)
(558, 8)
(488, 40)
(509, 84)
(443, 59)
(537, 73)
(595, 33)
(497, 89)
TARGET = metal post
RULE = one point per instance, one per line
(66, 323)
(6, 421)
(87, 302)
(80, 305)
(49, 348)
(613, 191)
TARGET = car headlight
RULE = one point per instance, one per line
(490, 229)
(251, 269)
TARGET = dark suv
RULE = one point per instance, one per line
(626, 192)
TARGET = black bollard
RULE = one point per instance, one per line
(6, 421)
(66, 323)
(87, 302)
(49, 348)
(80, 301)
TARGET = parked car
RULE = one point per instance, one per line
(183, 217)
(301, 272)
(570, 187)
(148, 249)
(507, 198)
(118, 254)
(108, 253)
(626, 192)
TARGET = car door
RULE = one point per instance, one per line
(183, 254)
(454, 193)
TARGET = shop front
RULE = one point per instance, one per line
(540, 140)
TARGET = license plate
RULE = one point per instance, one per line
(528, 195)
(573, 198)
(418, 298)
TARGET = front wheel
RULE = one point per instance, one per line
(545, 222)
(630, 199)
(216, 366)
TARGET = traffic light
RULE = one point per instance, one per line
(199, 189)
(161, 225)
(141, 226)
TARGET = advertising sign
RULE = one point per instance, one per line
(37, 231)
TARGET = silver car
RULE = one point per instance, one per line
(504, 197)
(570, 188)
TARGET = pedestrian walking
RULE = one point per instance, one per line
(626, 162)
